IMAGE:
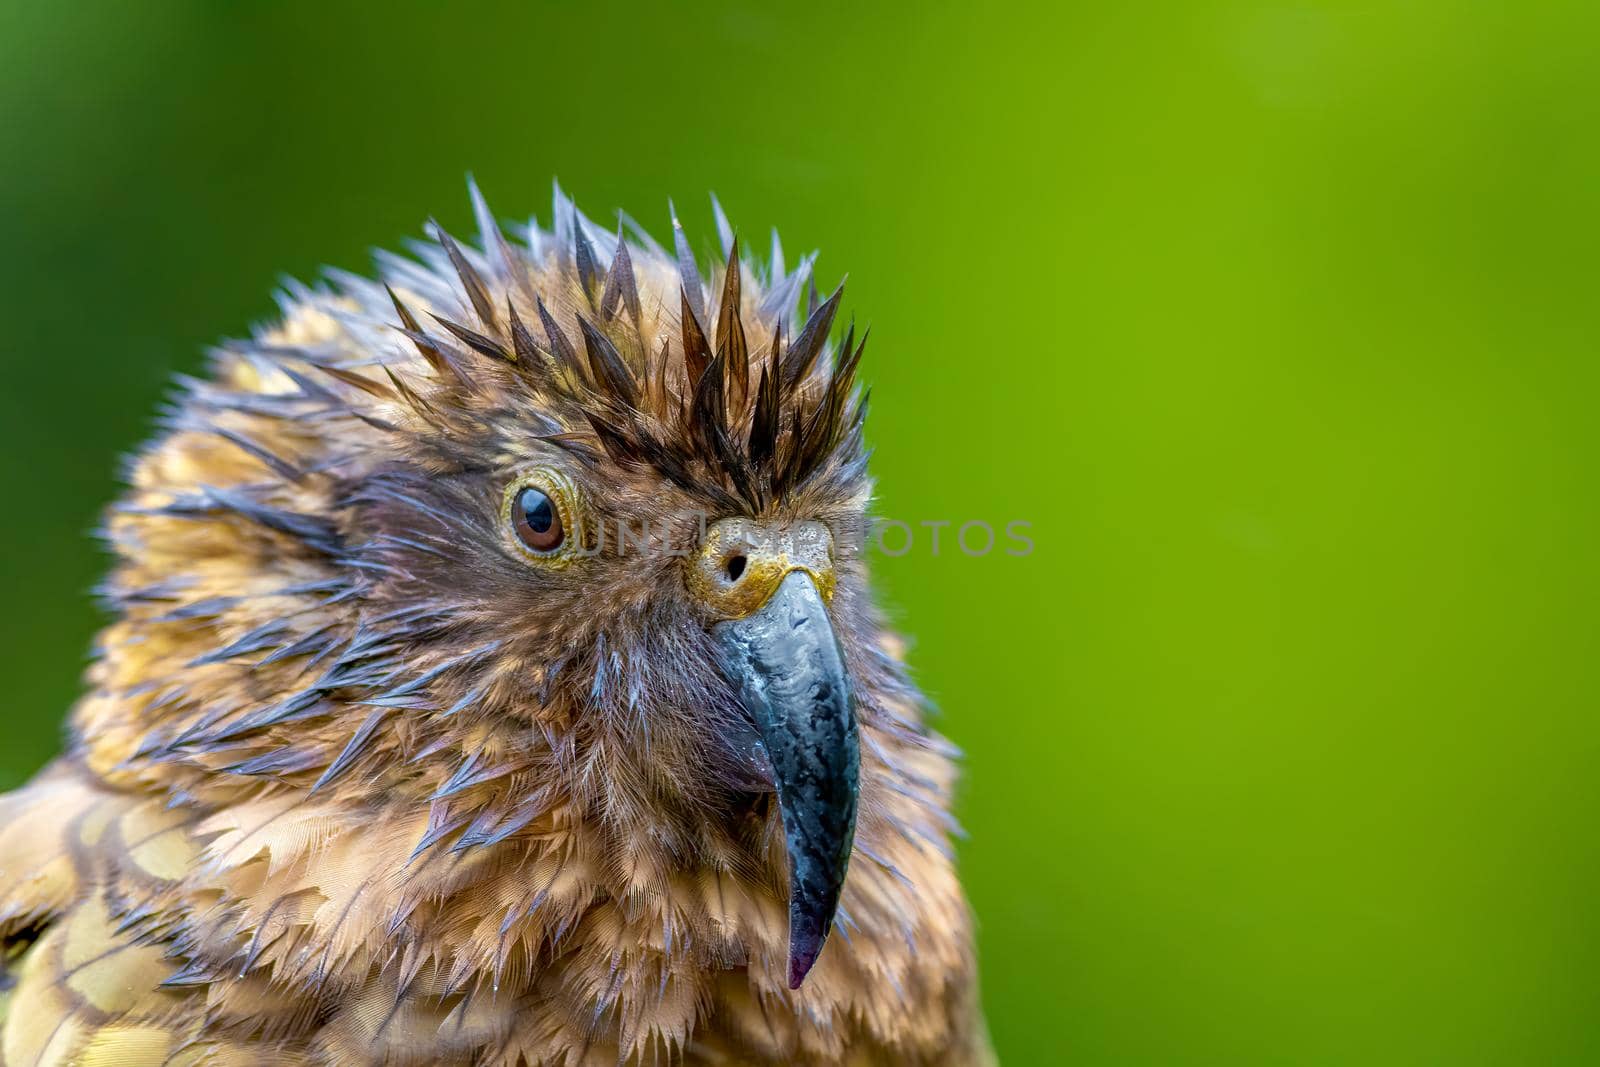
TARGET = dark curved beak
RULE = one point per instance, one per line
(784, 658)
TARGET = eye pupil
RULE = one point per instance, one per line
(536, 510)
(537, 522)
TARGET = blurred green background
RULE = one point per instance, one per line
(1277, 321)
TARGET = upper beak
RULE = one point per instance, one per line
(784, 659)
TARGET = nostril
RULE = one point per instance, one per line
(735, 567)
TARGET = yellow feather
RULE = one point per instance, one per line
(126, 1046)
(38, 1012)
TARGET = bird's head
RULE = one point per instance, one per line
(520, 535)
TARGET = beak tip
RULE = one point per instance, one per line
(800, 964)
(805, 946)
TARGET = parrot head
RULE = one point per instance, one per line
(524, 534)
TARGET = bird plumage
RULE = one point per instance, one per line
(354, 782)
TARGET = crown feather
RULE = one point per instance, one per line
(680, 389)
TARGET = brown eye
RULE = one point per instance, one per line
(536, 520)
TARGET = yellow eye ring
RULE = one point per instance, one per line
(540, 515)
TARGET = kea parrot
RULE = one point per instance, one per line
(493, 677)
